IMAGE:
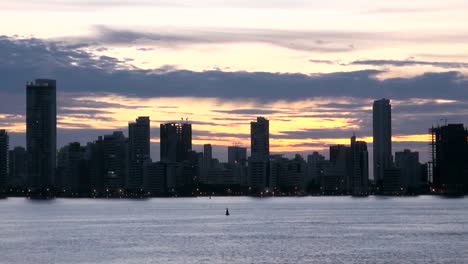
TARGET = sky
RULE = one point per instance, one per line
(312, 67)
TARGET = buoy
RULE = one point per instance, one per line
(227, 211)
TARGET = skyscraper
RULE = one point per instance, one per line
(176, 142)
(382, 138)
(336, 177)
(3, 158)
(259, 166)
(139, 150)
(260, 138)
(41, 123)
(115, 165)
(359, 171)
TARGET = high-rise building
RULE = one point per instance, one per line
(338, 172)
(72, 177)
(176, 142)
(359, 171)
(114, 160)
(237, 155)
(315, 167)
(450, 159)
(41, 123)
(4, 140)
(207, 156)
(260, 138)
(138, 150)
(95, 159)
(382, 138)
(296, 171)
(17, 167)
(258, 174)
(259, 169)
(408, 162)
(279, 173)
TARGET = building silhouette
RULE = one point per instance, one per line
(114, 160)
(316, 165)
(207, 156)
(72, 171)
(258, 174)
(296, 172)
(4, 145)
(17, 168)
(391, 183)
(450, 159)
(359, 167)
(237, 160)
(138, 151)
(336, 177)
(41, 123)
(279, 173)
(408, 162)
(258, 163)
(154, 178)
(260, 138)
(175, 142)
(237, 155)
(382, 138)
(95, 159)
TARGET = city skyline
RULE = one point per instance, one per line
(312, 73)
(312, 68)
(222, 154)
(114, 165)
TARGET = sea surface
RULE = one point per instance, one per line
(421, 229)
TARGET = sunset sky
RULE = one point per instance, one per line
(312, 67)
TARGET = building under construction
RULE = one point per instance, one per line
(449, 166)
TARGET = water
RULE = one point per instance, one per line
(196, 230)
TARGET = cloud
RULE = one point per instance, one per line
(318, 133)
(78, 71)
(249, 112)
(317, 41)
(329, 62)
(403, 63)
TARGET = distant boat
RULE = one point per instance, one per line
(227, 211)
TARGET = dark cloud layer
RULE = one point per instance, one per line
(80, 71)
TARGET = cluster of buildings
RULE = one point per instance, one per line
(118, 166)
